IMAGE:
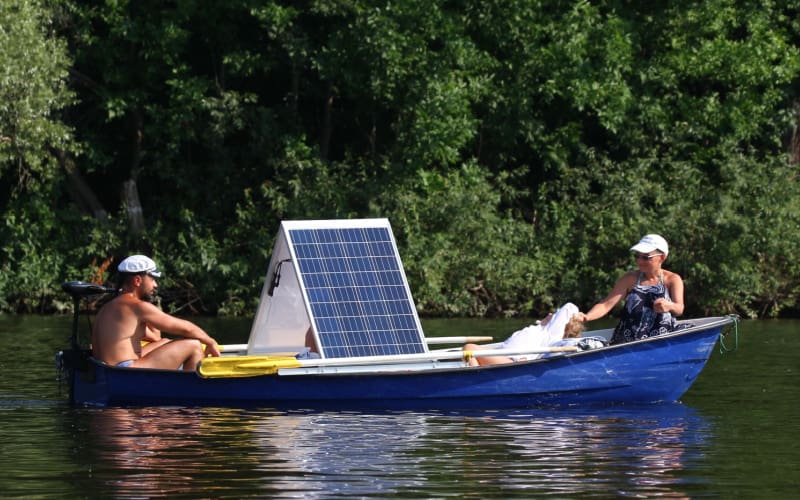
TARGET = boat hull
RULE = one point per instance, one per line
(659, 369)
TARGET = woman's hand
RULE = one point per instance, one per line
(662, 305)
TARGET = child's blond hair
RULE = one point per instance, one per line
(574, 328)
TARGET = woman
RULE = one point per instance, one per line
(653, 296)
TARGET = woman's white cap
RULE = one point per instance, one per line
(651, 242)
(136, 264)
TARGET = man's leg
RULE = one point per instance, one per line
(150, 346)
(186, 352)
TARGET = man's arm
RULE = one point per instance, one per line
(156, 318)
(151, 334)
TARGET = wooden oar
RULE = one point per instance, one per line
(517, 352)
(432, 340)
(247, 366)
(457, 340)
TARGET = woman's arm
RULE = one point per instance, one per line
(676, 305)
(603, 307)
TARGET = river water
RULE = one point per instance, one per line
(734, 435)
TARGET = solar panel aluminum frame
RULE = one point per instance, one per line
(357, 328)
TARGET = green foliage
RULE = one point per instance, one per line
(33, 71)
(461, 253)
(42, 249)
(519, 148)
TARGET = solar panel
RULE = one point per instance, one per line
(355, 288)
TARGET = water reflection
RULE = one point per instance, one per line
(347, 454)
(162, 452)
(642, 450)
(713, 446)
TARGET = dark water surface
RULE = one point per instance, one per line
(735, 435)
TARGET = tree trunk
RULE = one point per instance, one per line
(130, 199)
(130, 190)
(80, 192)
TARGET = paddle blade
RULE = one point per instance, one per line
(244, 366)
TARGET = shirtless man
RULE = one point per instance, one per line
(128, 319)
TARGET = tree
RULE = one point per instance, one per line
(549, 134)
(33, 92)
(33, 73)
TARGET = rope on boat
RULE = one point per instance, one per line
(61, 370)
(735, 328)
(62, 375)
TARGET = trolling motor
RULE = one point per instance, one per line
(69, 361)
(80, 290)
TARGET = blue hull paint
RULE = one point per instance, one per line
(654, 370)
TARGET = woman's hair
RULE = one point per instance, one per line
(574, 328)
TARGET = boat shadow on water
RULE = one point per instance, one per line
(169, 451)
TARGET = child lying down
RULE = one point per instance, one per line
(556, 329)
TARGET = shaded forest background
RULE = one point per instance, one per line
(519, 148)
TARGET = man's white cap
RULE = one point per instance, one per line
(136, 264)
(651, 242)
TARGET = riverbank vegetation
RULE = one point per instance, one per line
(518, 147)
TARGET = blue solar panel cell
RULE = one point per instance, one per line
(356, 291)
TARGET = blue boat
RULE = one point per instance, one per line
(341, 286)
(658, 369)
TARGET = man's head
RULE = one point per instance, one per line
(139, 264)
(139, 272)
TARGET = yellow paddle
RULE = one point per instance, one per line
(245, 366)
